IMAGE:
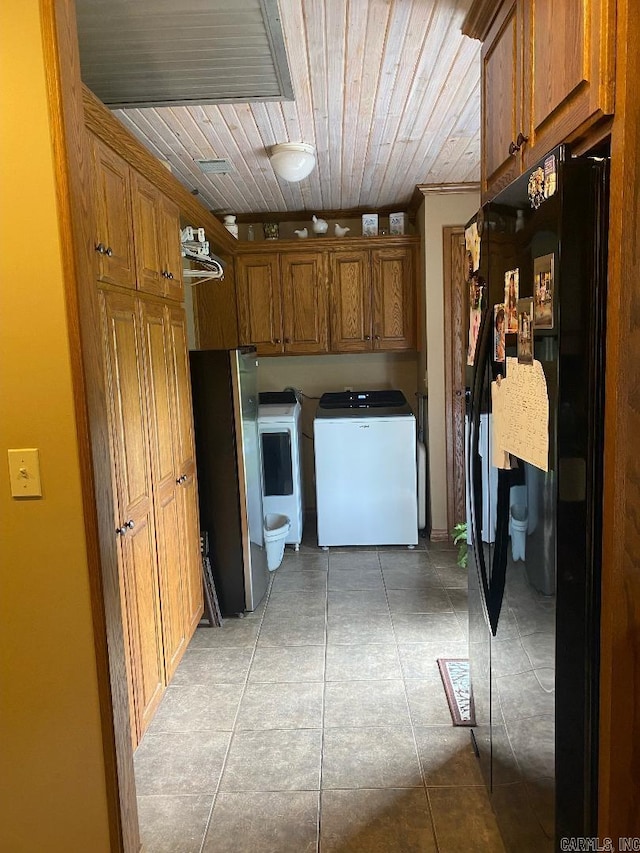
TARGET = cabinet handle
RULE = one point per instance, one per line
(514, 147)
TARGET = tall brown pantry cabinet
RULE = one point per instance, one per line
(150, 426)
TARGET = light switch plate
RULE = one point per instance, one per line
(24, 473)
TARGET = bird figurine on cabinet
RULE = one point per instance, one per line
(302, 233)
(319, 225)
(339, 230)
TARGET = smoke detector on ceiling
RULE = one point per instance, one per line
(215, 167)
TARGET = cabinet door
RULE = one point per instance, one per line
(393, 299)
(184, 444)
(130, 452)
(259, 306)
(304, 302)
(114, 242)
(568, 69)
(158, 369)
(351, 319)
(501, 60)
(146, 202)
(169, 224)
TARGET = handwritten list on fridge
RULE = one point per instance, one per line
(520, 408)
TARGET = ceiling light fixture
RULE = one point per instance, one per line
(293, 161)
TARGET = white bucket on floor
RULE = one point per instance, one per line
(519, 526)
(276, 528)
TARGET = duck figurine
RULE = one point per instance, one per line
(339, 231)
(302, 233)
(319, 225)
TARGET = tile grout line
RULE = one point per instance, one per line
(324, 698)
(235, 719)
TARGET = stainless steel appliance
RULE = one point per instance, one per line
(225, 405)
(534, 622)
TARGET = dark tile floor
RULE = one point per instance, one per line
(319, 722)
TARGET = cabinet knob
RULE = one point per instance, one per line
(520, 141)
(367, 337)
(100, 247)
(277, 341)
(169, 275)
(121, 530)
(130, 524)
(287, 340)
(513, 148)
(377, 337)
(109, 251)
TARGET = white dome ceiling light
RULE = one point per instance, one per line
(293, 161)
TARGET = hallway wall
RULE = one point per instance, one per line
(53, 778)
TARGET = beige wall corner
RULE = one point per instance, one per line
(439, 209)
(53, 790)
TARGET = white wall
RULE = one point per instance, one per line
(314, 375)
(438, 211)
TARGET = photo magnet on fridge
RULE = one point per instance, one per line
(511, 293)
(543, 291)
(476, 290)
(499, 319)
(525, 330)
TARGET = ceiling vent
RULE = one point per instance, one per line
(215, 167)
(154, 53)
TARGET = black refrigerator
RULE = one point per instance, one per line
(535, 535)
(225, 408)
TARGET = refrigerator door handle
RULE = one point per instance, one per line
(492, 584)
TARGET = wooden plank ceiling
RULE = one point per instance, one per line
(387, 90)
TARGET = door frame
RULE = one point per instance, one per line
(455, 336)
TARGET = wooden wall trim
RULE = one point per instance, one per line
(331, 244)
(479, 18)
(619, 772)
(99, 120)
(454, 360)
(73, 187)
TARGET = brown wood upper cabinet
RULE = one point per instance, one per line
(547, 78)
(138, 229)
(303, 301)
(114, 238)
(282, 302)
(372, 300)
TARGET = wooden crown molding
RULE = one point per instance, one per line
(479, 18)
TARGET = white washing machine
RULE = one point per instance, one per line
(366, 480)
(280, 443)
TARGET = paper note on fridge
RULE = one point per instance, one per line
(500, 458)
(521, 418)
